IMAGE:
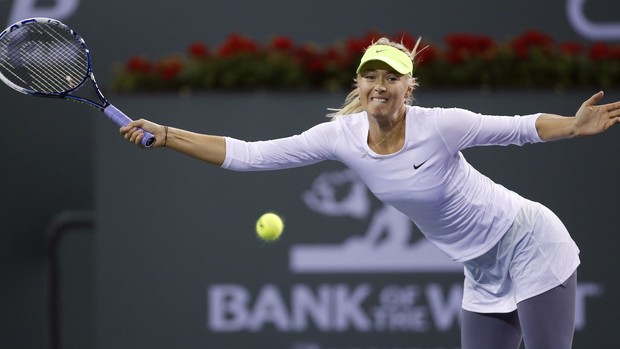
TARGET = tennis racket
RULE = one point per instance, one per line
(43, 57)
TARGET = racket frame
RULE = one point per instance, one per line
(109, 110)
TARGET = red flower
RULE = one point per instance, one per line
(462, 46)
(332, 53)
(282, 43)
(169, 68)
(335, 56)
(138, 64)
(483, 43)
(316, 65)
(600, 51)
(615, 52)
(458, 41)
(455, 57)
(355, 47)
(235, 44)
(306, 52)
(459, 47)
(571, 48)
(529, 40)
(198, 50)
(311, 58)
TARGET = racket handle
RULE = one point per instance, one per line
(121, 120)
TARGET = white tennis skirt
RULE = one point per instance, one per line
(535, 255)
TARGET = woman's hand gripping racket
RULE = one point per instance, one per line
(45, 58)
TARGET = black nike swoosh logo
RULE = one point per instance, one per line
(415, 167)
(379, 51)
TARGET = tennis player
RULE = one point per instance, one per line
(519, 260)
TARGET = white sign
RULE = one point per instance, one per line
(589, 29)
(61, 10)
(383, 247)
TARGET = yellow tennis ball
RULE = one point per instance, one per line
(269, 226)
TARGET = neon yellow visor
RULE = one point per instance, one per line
(394, 57)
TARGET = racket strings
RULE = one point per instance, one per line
(61, 65)
(44, 58)
(50, 73)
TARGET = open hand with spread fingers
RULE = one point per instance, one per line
(592, 119)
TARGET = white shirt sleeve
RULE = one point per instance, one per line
(312, 146)
(460, 129)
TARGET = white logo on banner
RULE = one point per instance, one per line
(367, 307)
(585, 27)
(62, 10)
(383, 247)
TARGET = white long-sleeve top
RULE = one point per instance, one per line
(456, 207)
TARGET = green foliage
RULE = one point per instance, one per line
(531, 60)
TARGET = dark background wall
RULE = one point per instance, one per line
(172, 231)
(58, 156)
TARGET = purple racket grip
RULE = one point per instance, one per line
(121, 120)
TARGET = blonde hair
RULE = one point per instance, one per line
(352, 102)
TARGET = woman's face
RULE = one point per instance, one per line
(382, 90)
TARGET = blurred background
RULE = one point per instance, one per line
(105, 245)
